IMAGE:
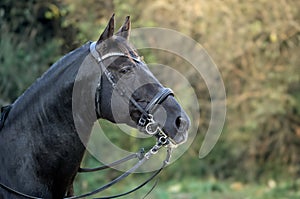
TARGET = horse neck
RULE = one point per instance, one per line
(49, 101)
(43, 119)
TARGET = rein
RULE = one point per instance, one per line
(145, 158)
(146, 123)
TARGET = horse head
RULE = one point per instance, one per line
(129, 93)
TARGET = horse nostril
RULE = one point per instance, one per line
(180, 123)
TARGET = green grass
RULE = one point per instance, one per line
(193, 188)
(211, 189)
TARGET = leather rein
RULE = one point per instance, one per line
(146, 124)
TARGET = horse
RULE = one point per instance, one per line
(43, 138)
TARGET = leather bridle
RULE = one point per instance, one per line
(146, 123)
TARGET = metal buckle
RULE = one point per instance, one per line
(145, 119)
(151, 128)
(142, 121)
(162, 138)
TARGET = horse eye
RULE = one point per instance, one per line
(125, 69)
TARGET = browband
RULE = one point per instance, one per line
(99, 58)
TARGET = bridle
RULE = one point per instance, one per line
(146, 123)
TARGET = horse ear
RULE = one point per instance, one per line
(124, 31)
(109, 30)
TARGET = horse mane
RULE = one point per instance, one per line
(63, 71)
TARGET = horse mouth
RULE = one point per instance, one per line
(180, 138)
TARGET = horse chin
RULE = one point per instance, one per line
(180, 138)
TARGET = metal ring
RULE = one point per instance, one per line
(150, 129)
(163, 140)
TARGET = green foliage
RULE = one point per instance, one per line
(28, 47)
(256, 47)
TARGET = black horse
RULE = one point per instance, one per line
(43, 138)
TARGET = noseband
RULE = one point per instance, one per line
(146, 122)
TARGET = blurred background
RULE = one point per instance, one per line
(256, 46)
